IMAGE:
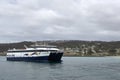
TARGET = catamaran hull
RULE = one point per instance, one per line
(51, 57)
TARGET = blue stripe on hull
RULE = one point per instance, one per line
(51, 57)
(27, 58)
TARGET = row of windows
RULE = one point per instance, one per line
(33, 51)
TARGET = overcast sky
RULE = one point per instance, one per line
(34, 20)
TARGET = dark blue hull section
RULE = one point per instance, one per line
(51, 57)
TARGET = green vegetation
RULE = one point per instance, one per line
(73, 47)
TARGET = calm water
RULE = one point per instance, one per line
(72, 68)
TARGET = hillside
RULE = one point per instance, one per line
(73, 47)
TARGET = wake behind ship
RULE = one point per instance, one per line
(35, 53)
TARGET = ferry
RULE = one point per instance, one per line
(35, 53)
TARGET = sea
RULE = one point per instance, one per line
(71, 68)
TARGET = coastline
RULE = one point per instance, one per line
(78, 55)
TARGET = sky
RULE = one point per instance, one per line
(35, 20)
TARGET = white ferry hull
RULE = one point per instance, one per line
(51, 57)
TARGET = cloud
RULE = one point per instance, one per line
(59, 19)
